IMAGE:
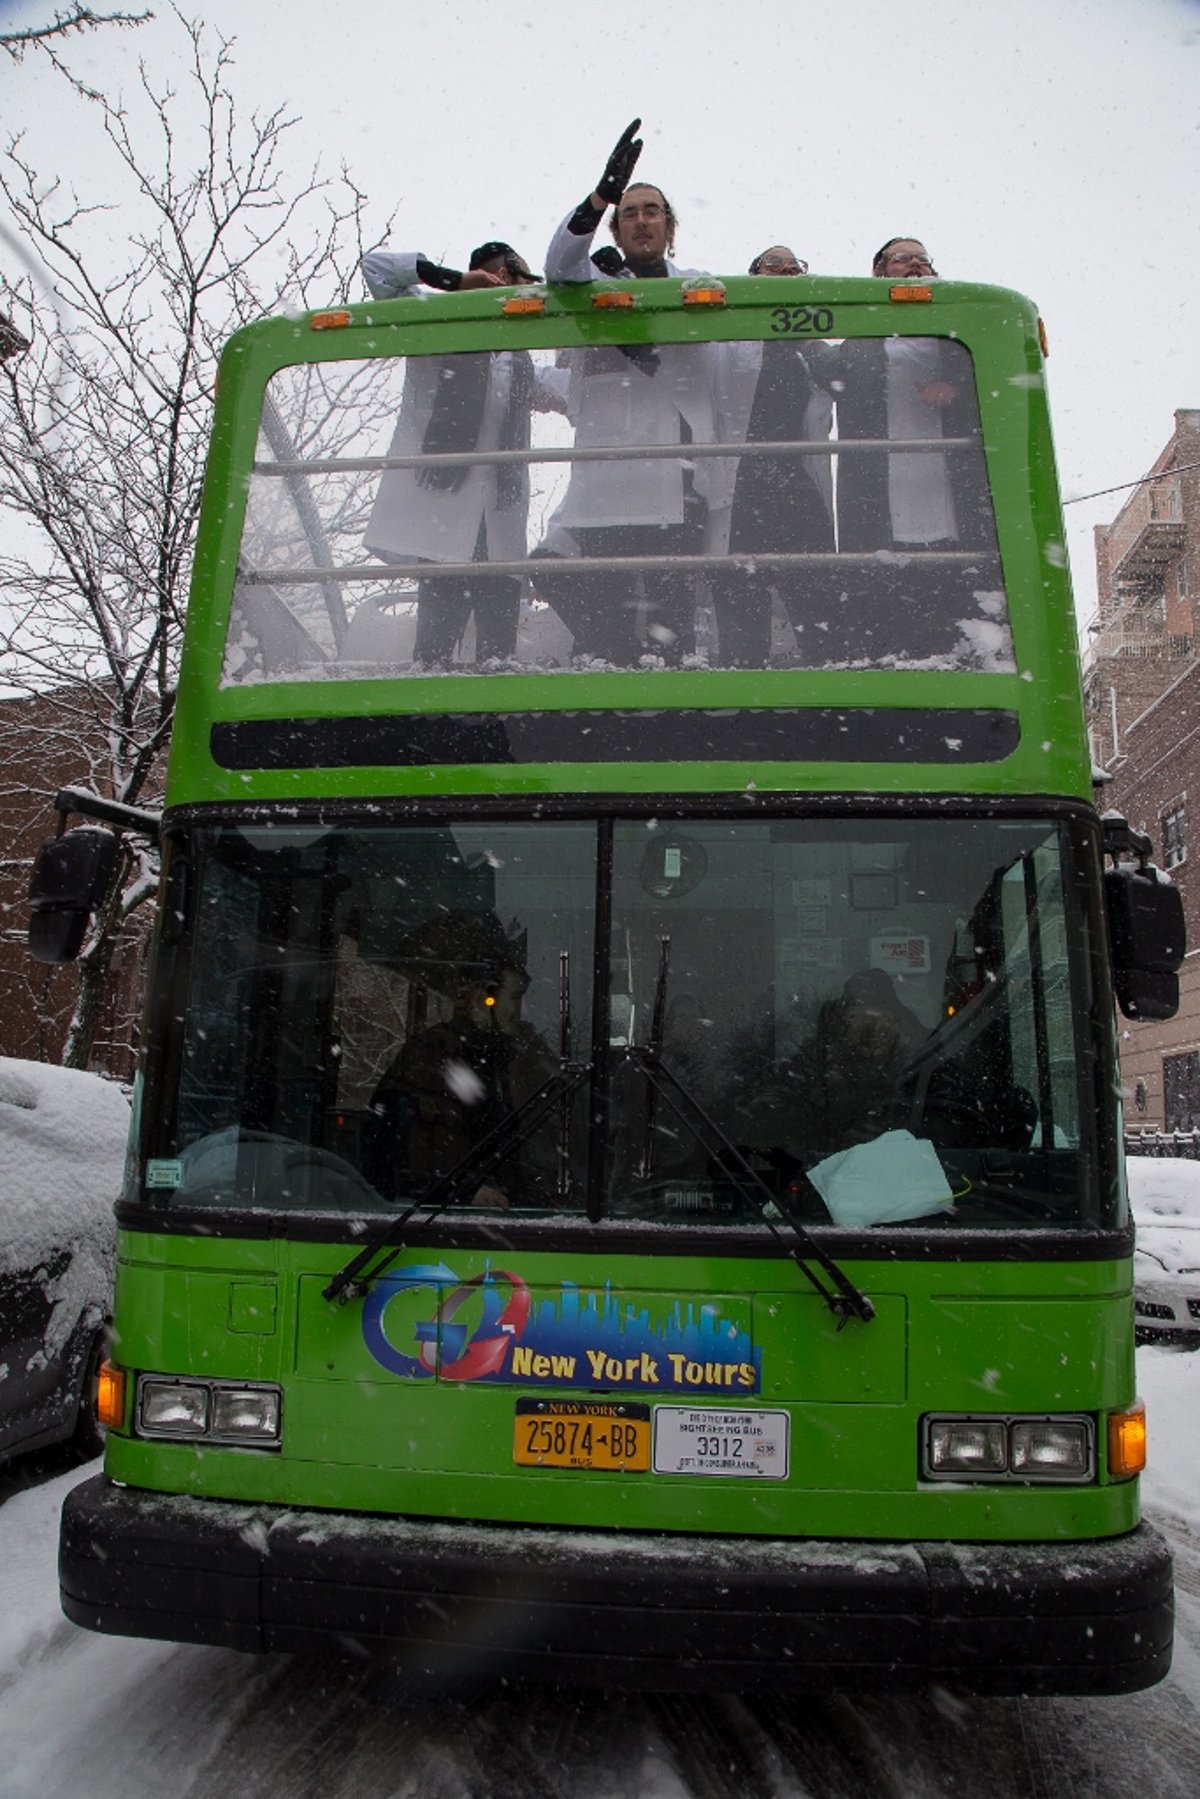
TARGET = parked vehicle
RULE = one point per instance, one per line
(62, 1149)
(1164, 1193)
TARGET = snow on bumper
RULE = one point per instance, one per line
(615, 1608)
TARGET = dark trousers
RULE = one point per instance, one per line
(445, 604)
(894, 609)
(601, 610)
(777, 508)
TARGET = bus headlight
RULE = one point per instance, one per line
(245, 1413)
(966, 1446)
(1033, 1447)
(1051, 1448)
(172, 1408)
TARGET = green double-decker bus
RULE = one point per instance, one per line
(626, 1181)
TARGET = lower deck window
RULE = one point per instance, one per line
(873, 1020)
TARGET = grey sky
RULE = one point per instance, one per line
(1049, 145)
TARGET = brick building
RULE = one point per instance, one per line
(1142, 681)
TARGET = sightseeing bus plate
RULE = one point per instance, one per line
(584, 1433)
(711, 1440)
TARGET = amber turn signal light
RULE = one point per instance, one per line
(910, 293)
(1127, 1441)
(328, 321)
(702, 290)
(110, 1396)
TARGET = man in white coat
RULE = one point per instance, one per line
(457, 403)
(630, 394)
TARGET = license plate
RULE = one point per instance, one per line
(710, 1440)
(595, 1434)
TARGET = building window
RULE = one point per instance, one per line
(1174, 836)
(1181, 1091)
(1181, 578)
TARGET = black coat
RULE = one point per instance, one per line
(858, 376)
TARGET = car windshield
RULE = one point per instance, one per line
(789, 503)
(890, 1020)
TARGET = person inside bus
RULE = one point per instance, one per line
(887, 506)
(630, 394)
(769, 393)
(465, 513)
(841, 1086)
(455, 1080)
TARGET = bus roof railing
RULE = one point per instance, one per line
(686, 452)
(582, 565)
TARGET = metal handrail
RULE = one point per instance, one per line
(584, 565)
(682, 452)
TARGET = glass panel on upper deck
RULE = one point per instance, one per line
(742, 505)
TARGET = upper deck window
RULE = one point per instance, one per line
(794, 504)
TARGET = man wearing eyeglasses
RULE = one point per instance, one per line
(631, 394)
(462, 513)
(778, 260)
(918, 388)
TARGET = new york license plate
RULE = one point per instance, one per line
(586, 1433)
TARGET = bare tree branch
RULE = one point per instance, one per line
(80, 18)
(104, 415)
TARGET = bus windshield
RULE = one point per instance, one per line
(793, 504)
(362, 1003)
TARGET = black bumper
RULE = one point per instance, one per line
(618, 1609)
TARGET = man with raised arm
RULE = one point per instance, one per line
(635, 395)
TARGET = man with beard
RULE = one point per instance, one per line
(631, 394)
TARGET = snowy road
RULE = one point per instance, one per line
(90, 1716)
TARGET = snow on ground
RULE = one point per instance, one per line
(1170, 1385)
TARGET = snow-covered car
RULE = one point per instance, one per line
(1165, 1196)
(62, 1152)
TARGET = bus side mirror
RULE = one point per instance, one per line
(1148, 937)
(70, 879)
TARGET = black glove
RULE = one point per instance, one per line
(615, 179)
(609, 260)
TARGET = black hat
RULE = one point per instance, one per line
(490, 251)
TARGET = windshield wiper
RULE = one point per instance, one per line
(356, 1279)
(843, 1298)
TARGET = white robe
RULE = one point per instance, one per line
(409, 522)
(622, 405)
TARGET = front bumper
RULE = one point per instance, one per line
(621, 1608)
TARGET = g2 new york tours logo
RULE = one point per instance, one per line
(428, 1322)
